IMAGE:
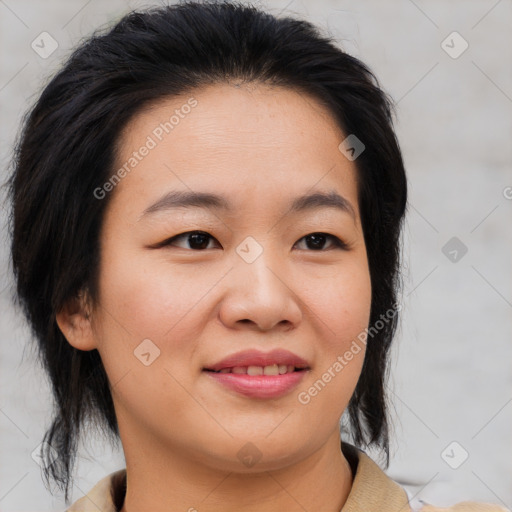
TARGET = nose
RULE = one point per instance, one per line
(260, 296)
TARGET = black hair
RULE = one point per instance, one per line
(67, 149)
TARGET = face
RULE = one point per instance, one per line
(184, 286)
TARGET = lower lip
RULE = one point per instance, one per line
(259, 386)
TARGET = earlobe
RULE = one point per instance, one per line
(75, 322)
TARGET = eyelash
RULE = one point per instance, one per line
(339, 244)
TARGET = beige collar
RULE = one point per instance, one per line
(372, 490)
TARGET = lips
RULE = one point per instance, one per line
(259, 375)
(251, 361)
(275, 369)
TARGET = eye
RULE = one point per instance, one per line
(317, 241)
(198, 240)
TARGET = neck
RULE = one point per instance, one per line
(321, 481)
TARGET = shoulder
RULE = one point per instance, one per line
(373, 490)
(103, 496)
(465, 506)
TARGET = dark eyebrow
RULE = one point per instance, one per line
(185, 199)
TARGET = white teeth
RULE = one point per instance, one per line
(271, 370)
(274, 369)
(254, 370)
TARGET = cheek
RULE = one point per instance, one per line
(141, 302)
(341, 301)
(151, 298)
(163, 303)
(342, 310)
(348, 309)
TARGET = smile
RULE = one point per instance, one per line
(274, 369)
(252, 382)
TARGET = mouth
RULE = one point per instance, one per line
(259, 375)
(274, 369)
(258, 382)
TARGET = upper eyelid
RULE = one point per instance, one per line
(338, 241)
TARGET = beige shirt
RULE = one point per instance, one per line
(372, 491)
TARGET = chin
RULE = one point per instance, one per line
(253, 453)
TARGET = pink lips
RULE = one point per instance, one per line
(257, 358)
(259, 386)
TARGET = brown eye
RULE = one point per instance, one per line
(197, 240)
(317, 241)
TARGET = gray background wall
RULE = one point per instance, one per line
(452, 375)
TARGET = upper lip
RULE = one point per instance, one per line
(258, 358)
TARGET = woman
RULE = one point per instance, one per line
(207, 205)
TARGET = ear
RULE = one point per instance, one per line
(75, 322)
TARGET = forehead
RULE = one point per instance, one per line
(249, 141)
